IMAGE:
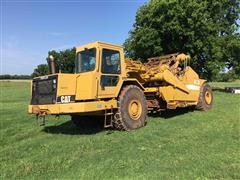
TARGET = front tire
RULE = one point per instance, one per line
(132, 110)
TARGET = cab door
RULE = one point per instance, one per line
(110, 71)
(86, 80)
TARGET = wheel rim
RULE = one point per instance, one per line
(208, 97)
(135, 109)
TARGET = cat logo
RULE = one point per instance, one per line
(65, 99)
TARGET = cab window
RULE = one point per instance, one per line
(86, 60)
(111, 62)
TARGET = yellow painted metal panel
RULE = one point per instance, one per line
(86, 86)
(66, 84)
(69, 108)
(167, 92)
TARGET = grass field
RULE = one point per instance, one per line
(181, 145)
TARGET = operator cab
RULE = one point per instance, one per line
(100, 67)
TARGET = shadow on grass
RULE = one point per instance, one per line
(172, 113)
(71, 129)
(97, 126)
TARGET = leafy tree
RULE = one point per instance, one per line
(205, 29)
(65, 60)
(41, 70)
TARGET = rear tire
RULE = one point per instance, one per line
(205, 98)
(132, 109)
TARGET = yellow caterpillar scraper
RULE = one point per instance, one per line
(121, 91)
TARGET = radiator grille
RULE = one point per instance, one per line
(44, 90)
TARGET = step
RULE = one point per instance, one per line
(108, 114)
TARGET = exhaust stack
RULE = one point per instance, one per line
(51, 65)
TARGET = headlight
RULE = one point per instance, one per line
(54, 84)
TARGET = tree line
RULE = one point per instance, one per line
(8, 76)
(207, 30)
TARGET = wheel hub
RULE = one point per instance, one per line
(135, 109)
(208, 97)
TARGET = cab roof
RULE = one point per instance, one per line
(96, 44)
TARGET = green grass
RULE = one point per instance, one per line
(222, 85)
(177, 145)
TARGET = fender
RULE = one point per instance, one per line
(129, 81)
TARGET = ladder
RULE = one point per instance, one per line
(108, 122)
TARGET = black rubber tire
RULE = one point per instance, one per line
(123, 120)
(202, 104)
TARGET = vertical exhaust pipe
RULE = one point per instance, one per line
(51, 65)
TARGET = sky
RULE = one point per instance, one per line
(29, 29)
